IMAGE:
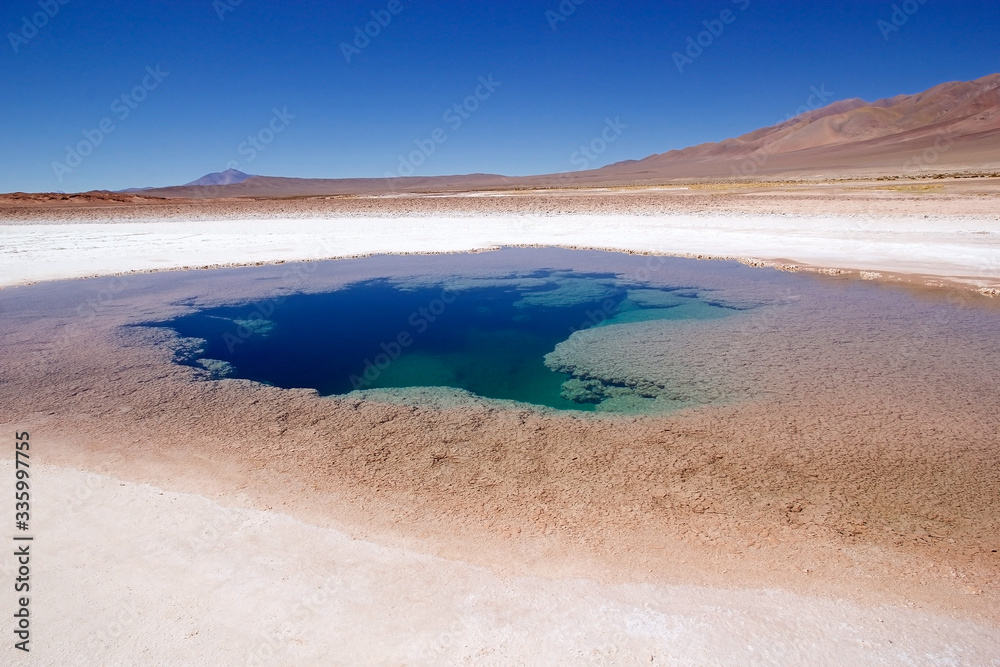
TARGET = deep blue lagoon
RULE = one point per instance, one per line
(486, 337)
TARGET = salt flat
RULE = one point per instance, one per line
(961, 249)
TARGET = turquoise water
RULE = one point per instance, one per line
(487, 337)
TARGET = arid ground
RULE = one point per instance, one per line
(847, 504)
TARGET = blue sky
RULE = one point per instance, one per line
(223, 71)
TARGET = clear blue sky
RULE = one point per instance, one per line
(225, 76)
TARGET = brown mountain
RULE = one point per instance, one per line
(279, 186)
(951, 127)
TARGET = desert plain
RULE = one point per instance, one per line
(845, 509)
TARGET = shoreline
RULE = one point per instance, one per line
(822, 490)
(960, 252)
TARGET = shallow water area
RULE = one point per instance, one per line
(841, 437)
(574, 331)
(489, 337)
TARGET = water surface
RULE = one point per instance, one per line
(487, 337)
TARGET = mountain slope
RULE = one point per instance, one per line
(227, 177)
(952, 126)
(955, 123)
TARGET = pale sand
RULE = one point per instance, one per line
(133, 574)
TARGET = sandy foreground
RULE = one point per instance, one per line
(180, 524)
(154, 577)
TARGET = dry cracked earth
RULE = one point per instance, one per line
(859, 459)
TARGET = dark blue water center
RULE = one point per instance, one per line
(490, 340)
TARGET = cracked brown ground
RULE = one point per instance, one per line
(865, 467)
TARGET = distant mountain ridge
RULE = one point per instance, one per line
(951, 117)
(952, 126)
(227, 177)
